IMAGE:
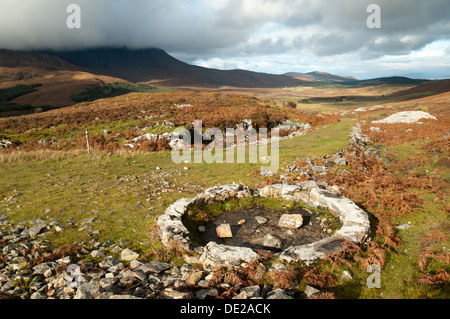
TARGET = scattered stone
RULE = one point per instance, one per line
(241, 222)
(403, 227)
(40, 220)
(271, 242)
(358, 137)
(5, 143)
(89, 220)
(201, 229)
(42, 268)
(123, 297)
(341, 161)
(375, 129)
(319, 169)
(195, 278)
(261, 220)
(252, 291)
(158, 267)
(224, 231)
(116, 249)
(59, 228)
(206, 293)
(266, 172)
(128, 255)
(174, 294)
(249, 292)
(347, 275)
(97, 254)
(38, 295)
(109, 262)
(278, 294)
(33, 231)
(311, 291)
(88, 291)
(291, 221)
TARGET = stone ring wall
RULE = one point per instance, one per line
(355, 223)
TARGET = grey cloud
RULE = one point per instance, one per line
(201, 29)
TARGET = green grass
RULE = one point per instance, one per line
(400, 277)
(401, 274)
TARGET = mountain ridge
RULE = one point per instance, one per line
(158, 67)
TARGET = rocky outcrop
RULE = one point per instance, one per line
(405, 117)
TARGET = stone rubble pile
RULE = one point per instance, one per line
(5, 143)
(122, 277)
(177, 143)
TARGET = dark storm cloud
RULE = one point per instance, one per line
(202, 27)
(206, 29)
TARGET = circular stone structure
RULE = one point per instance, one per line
(355, 223)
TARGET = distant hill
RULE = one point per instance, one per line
(324, 77)
(54, 80)
(388, 80)
(426, 88)
(159, 68)
(320, 77)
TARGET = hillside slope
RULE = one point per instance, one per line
(158, 67)
(17, 59)
(320, 77)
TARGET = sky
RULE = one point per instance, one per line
(271, 36)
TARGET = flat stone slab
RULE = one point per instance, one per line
(405, 117)
(291, 221)
(216, 255)
(224, 231)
